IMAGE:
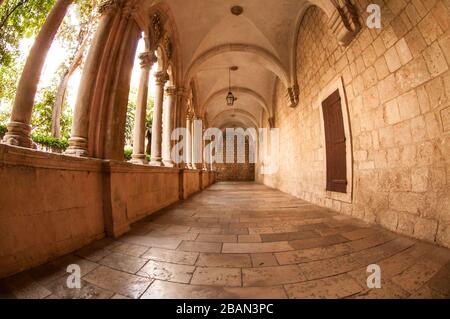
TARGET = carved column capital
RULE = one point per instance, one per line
(171, 90)
(147, 59)
(106, 6)
(161, 77)
(190, 114)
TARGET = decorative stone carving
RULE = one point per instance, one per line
(147, 59)
(293, 95)
(168, 47)
(156, 29)
(344, 23)
(171, 90)
(106, 5)
(161, 77)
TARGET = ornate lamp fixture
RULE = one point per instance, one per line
(230, 97)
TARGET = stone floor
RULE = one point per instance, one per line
(241, 240)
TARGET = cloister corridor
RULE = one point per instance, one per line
(221, 149)
(244, 240)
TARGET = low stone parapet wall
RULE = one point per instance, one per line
(51, 204)
(191, 182)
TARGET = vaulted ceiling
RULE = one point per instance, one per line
(211, 39)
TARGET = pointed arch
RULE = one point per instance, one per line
(256, 96)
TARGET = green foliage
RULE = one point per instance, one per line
(41, 122)
(3, 130)
(19, 19)
(127, 153)
(131, 111)
(45, 140)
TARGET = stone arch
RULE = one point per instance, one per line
(256, 96)
(168, 39)
(271, 63)
(343, 23)
(241, 113)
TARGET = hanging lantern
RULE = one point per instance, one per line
(230, 97)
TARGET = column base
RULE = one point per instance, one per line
(138, 159)
(168, 163)
(77, 147)
(156, 162)
(19, 134)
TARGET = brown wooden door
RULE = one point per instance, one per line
(335, 144)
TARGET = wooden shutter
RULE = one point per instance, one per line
(335, 144)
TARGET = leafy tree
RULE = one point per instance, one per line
(76, 39)
(131, 111)
(19, 19)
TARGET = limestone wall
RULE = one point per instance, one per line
(397, 86)
(205, 179)
(52, 204)
(49, 205)
(134, 191)
(191, 182)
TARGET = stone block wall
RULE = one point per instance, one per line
(397, 85)
(241, 170)
(51, 204)
(135, 191)
(191, 182)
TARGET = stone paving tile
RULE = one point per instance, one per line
(255, 238)
(272, 276)
(388, 290)
(244, 240)
(312, 254)
(201, 247)
(224, 260)
(426, 292)
(123, 262)
(217, 276)
(440, 282)
(149, 241)
(414, 277)
(130, 249)
(117, 281)
(329, 267)
(85, 265)
(317, 242)
(168, 290)
(23, 286)
(213, 238)
(334, 287)
(264, 260)
(287, 236)
(171, 256)
(59, 289)
(92, 253)
(248, 248)
(360, 233)
(166, 271)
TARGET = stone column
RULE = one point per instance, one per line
(193, 144)
(78, 142)
(146, 61)
(161, 79)
(168, 126)
(204, 155)
(19, 128)
(188, 147)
